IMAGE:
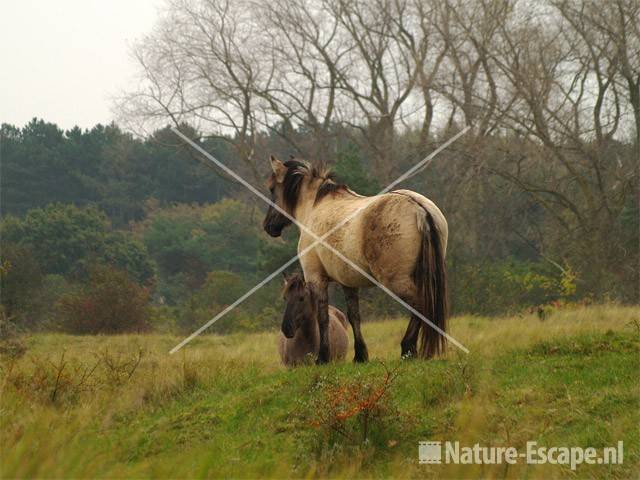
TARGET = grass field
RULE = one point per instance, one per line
(120, 406)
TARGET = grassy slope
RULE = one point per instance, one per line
(224, 407)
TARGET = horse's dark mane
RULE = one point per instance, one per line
(297, 170)
(330, 185)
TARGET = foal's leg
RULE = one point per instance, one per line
(320, 288)
(409, 344)
(353, 314)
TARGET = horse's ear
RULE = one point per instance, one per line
(279, 170)
(285, 277)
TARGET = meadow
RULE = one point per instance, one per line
(121, 406)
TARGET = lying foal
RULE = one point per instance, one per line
(300, 335)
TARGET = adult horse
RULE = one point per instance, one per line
(399, 238)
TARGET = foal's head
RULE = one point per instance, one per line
(287, 181)
(299, 304)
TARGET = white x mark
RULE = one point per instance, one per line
(318, 240)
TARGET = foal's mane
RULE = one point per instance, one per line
(297, 171)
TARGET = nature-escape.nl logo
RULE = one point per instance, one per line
(454, 453)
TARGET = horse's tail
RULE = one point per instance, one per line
(430, 277)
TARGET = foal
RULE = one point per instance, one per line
(300, 335)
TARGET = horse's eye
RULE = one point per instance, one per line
(300, 299)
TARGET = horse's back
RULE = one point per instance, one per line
(432, 209)
(338, 315)
(384, 238)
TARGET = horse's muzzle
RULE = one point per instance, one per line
(289, 333)
(273, 230)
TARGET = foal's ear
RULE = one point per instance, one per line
(278, 168)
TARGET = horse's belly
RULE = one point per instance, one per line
(346, 275)
(346, 241)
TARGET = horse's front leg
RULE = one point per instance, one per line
(353, 314)
(320, 288)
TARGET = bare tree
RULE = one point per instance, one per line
(197, 67)
(306, 55)
(417, 32)
(561, 72)
(469, 80)
(365, 65)
(382, 72)
(609, 38)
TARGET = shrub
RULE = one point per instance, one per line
(128, 254)
(65, 239)
(60, 379)
(505, 287)
(220, 289)
(193, 240)
(162, 318)
(11, 344)
(20, 279)
(353, 412)
(110, 303)
(61, 236)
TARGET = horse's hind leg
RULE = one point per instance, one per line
(409, 344)
(353, 314)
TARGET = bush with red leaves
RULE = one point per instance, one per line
(110, 303)
(354, 408)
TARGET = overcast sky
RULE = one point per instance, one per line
(62, 60)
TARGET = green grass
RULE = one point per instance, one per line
(224, 407)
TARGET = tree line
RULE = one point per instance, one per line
(171, 256)
(541, 194)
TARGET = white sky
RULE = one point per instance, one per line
(63, 60)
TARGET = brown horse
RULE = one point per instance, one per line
(399, 238)
(300, 334)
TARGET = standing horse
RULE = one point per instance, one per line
(300, 334)
(399, 238)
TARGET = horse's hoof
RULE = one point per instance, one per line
(361, 354)
(321, 361)
(361, 357)
(408, 356)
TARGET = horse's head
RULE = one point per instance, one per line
(298, 304)
(284, 184)
(294, 184)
